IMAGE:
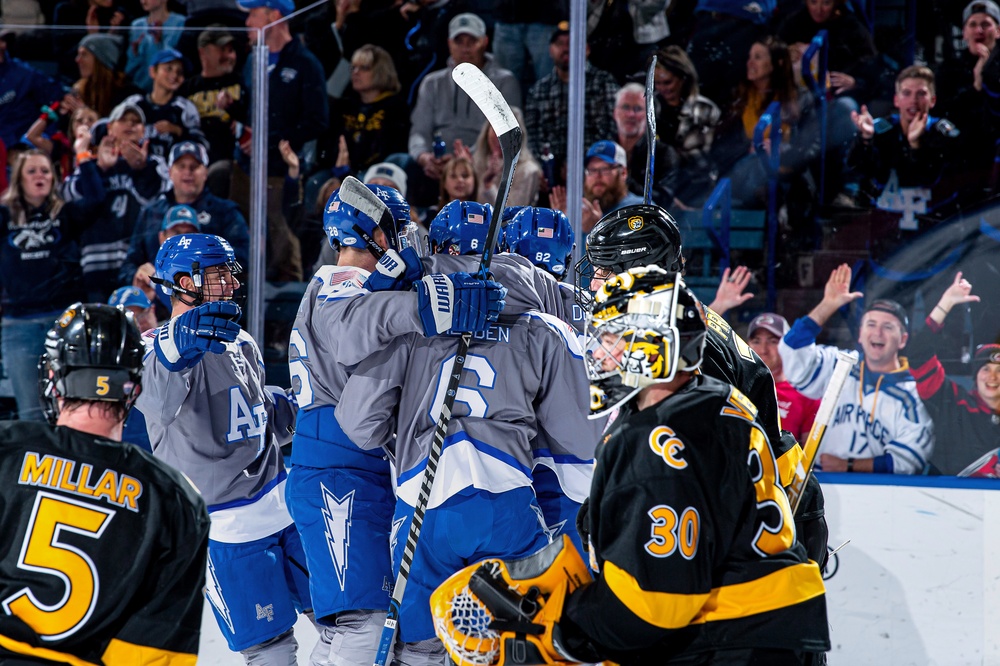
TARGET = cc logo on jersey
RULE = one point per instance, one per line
(665, 444)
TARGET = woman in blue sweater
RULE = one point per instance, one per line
(39, 267)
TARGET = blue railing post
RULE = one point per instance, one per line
(721, 200)
(770, 120)
(817, 85)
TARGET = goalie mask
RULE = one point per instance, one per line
(92, 352)
(645, 326)
(208, 260)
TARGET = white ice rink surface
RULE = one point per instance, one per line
(215, 652)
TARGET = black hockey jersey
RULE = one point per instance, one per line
(694, 538)
(104, 551)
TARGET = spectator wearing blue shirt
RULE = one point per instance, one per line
(147, 38)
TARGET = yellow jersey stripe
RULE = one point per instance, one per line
(120, 653)
(780, 589)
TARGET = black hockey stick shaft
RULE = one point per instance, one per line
(497, 111)
(647, 192)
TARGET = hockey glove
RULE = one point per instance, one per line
(186, 338)
(396, 271)
(506, 612)
(458, 302)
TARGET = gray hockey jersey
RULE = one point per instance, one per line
(221, 426)
(524, 376)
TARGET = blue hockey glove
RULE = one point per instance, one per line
(185, 339)
(396, 271)
(458, 302)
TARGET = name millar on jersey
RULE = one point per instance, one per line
(58, 473)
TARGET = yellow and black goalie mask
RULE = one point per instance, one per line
(645, 325)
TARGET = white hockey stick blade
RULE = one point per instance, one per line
(354, 192)
(486, 96)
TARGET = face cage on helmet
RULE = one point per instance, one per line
(197, 274)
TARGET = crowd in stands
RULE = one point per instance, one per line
(131, 122)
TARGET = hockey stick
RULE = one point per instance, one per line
(353, 192)
(845, 361)
(647, 192)
(489, 100)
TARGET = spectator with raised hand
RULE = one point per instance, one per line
(443, 109)
(879, 424)
(966, 422)
(903, 157)
(731, 290)
(546, 109)
(63, 147)
(147, 38)
(132, 178)
(966, 92)
(686, 121)
(39, 265)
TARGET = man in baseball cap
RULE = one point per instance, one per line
(605, 183)
(132, 299)
(797, 411)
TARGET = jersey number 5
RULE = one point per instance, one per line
(43, 553)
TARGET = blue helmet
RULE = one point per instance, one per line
(510, 212)
(191, 254)
(341, 221)
(542, 235)
(460, 228)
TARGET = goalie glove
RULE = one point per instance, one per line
(507, 612)
(395, 271)
(458, 303)
(182, 342)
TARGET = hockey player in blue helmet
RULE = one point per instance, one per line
(460, 228)
(209, 413)
(338, 494)
(210, 263)
(543, 235)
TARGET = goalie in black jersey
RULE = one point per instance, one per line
(103, 554)
(643, 235)
(692, 535)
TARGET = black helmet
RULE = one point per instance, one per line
(649, 325)
(92, 352)
(638, 235)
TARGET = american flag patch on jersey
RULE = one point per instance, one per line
(545, 233)
(475, 218)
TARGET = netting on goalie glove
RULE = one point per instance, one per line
(465, 631)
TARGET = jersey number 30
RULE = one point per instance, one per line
(43, 553)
